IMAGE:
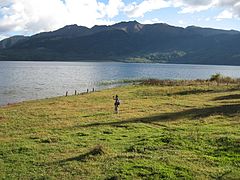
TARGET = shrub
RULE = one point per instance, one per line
(223, 79)
(216, 77)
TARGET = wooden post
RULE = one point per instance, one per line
(93, 90)
(87, 90)
(75, 92)
(66, 93)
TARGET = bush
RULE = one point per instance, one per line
(216, 77)
(223, 79)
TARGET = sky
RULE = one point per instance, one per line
(28, 17)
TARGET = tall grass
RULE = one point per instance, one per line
(214, 79)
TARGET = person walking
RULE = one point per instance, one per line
(116, 104)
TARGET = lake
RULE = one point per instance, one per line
(20, 81)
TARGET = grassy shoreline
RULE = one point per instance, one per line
(163, 131)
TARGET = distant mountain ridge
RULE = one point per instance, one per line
(128, 42)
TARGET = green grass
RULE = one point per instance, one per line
(161, 132)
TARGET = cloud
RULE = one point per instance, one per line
(236, 9)
(186, 6)
(4, 3)
(32, 16)
(231, 9)
(181, 22)
(227, 2)
(152, 21)
(134, 10)
(225, 15)
(191, 6)
(112, 8)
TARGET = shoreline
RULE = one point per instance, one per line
(54, 97)
(131, 82)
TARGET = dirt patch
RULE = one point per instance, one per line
(2, 119)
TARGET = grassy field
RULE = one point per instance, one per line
(161, 132)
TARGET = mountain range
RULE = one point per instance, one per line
(127, 42)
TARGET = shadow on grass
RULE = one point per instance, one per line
(192, 92)
(201, 91)
(225, 110)
(98, 150)
(229, 97)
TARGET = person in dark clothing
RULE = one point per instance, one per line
(116, 104)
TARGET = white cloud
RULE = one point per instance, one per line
(231, 9)
(207, 19)
(138, 10)
(236, 9)
(227, 2)
(181, 22)
(5, 3)
(152, 21)
(113, 7)
(32, 16)
(225, 15)
(191, 6)
(186, 6)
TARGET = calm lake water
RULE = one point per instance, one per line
(20, 81)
